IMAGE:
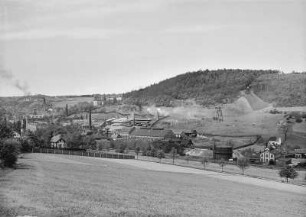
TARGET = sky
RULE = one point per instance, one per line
(60, 47)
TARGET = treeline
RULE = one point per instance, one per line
(207, 87)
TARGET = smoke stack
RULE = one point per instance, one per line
(24, 124)
(89, 118)
(67, 111)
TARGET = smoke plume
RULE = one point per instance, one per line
(14, 81)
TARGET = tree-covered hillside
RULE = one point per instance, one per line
(206, 87)
(282, 89)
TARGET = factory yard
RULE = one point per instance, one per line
(59, 185)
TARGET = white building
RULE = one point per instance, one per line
(266, 156)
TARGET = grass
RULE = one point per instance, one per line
(252, 171)
(50, 185)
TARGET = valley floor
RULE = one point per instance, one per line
(56, 185)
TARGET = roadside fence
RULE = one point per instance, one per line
(99, 154)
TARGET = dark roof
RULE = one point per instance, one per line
(300, 151)
(152, 132)
(56, 138)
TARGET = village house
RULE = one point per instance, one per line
(58, 142)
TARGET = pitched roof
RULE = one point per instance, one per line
(152, 132)
(56, 138)
(300, 151)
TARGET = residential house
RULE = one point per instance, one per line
(58, 142)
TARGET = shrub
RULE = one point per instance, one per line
(25, 146)
(271, 162)
(299, 120)
(8, 153)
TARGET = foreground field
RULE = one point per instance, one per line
(53, 185)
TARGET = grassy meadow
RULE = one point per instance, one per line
(51, 185)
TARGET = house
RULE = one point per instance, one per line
(152, 133)
(300, 153)
(58, 142)
(266, 156)
(98, 103)
(191, 133)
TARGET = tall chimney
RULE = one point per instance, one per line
(89, 118)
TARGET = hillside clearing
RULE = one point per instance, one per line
(50, 185)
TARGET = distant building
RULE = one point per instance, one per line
(152, 133)
(16, 135)
(300, 153)
(225, 153)
(266, 156)
(197, 152)
(274, 143)
(58, 142)
(36, 116)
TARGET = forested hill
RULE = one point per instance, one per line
(224, 86)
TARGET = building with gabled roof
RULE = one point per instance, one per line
(58, 142)
(152, 133)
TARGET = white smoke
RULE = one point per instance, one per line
(7, 75)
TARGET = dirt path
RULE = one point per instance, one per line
(225, 176)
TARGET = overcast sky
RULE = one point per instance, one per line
(59, 47)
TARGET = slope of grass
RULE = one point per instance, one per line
(53, 186)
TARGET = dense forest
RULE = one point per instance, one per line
(206, 87)
(212, 87)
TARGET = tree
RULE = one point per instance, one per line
(205, 162)
(137, 150)
(187, 157)
(243, 164)
(160, 154)
(222, 163)
(66, 110)
(8, 153)
(288, 172)
(173, 154)
(5, 131)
